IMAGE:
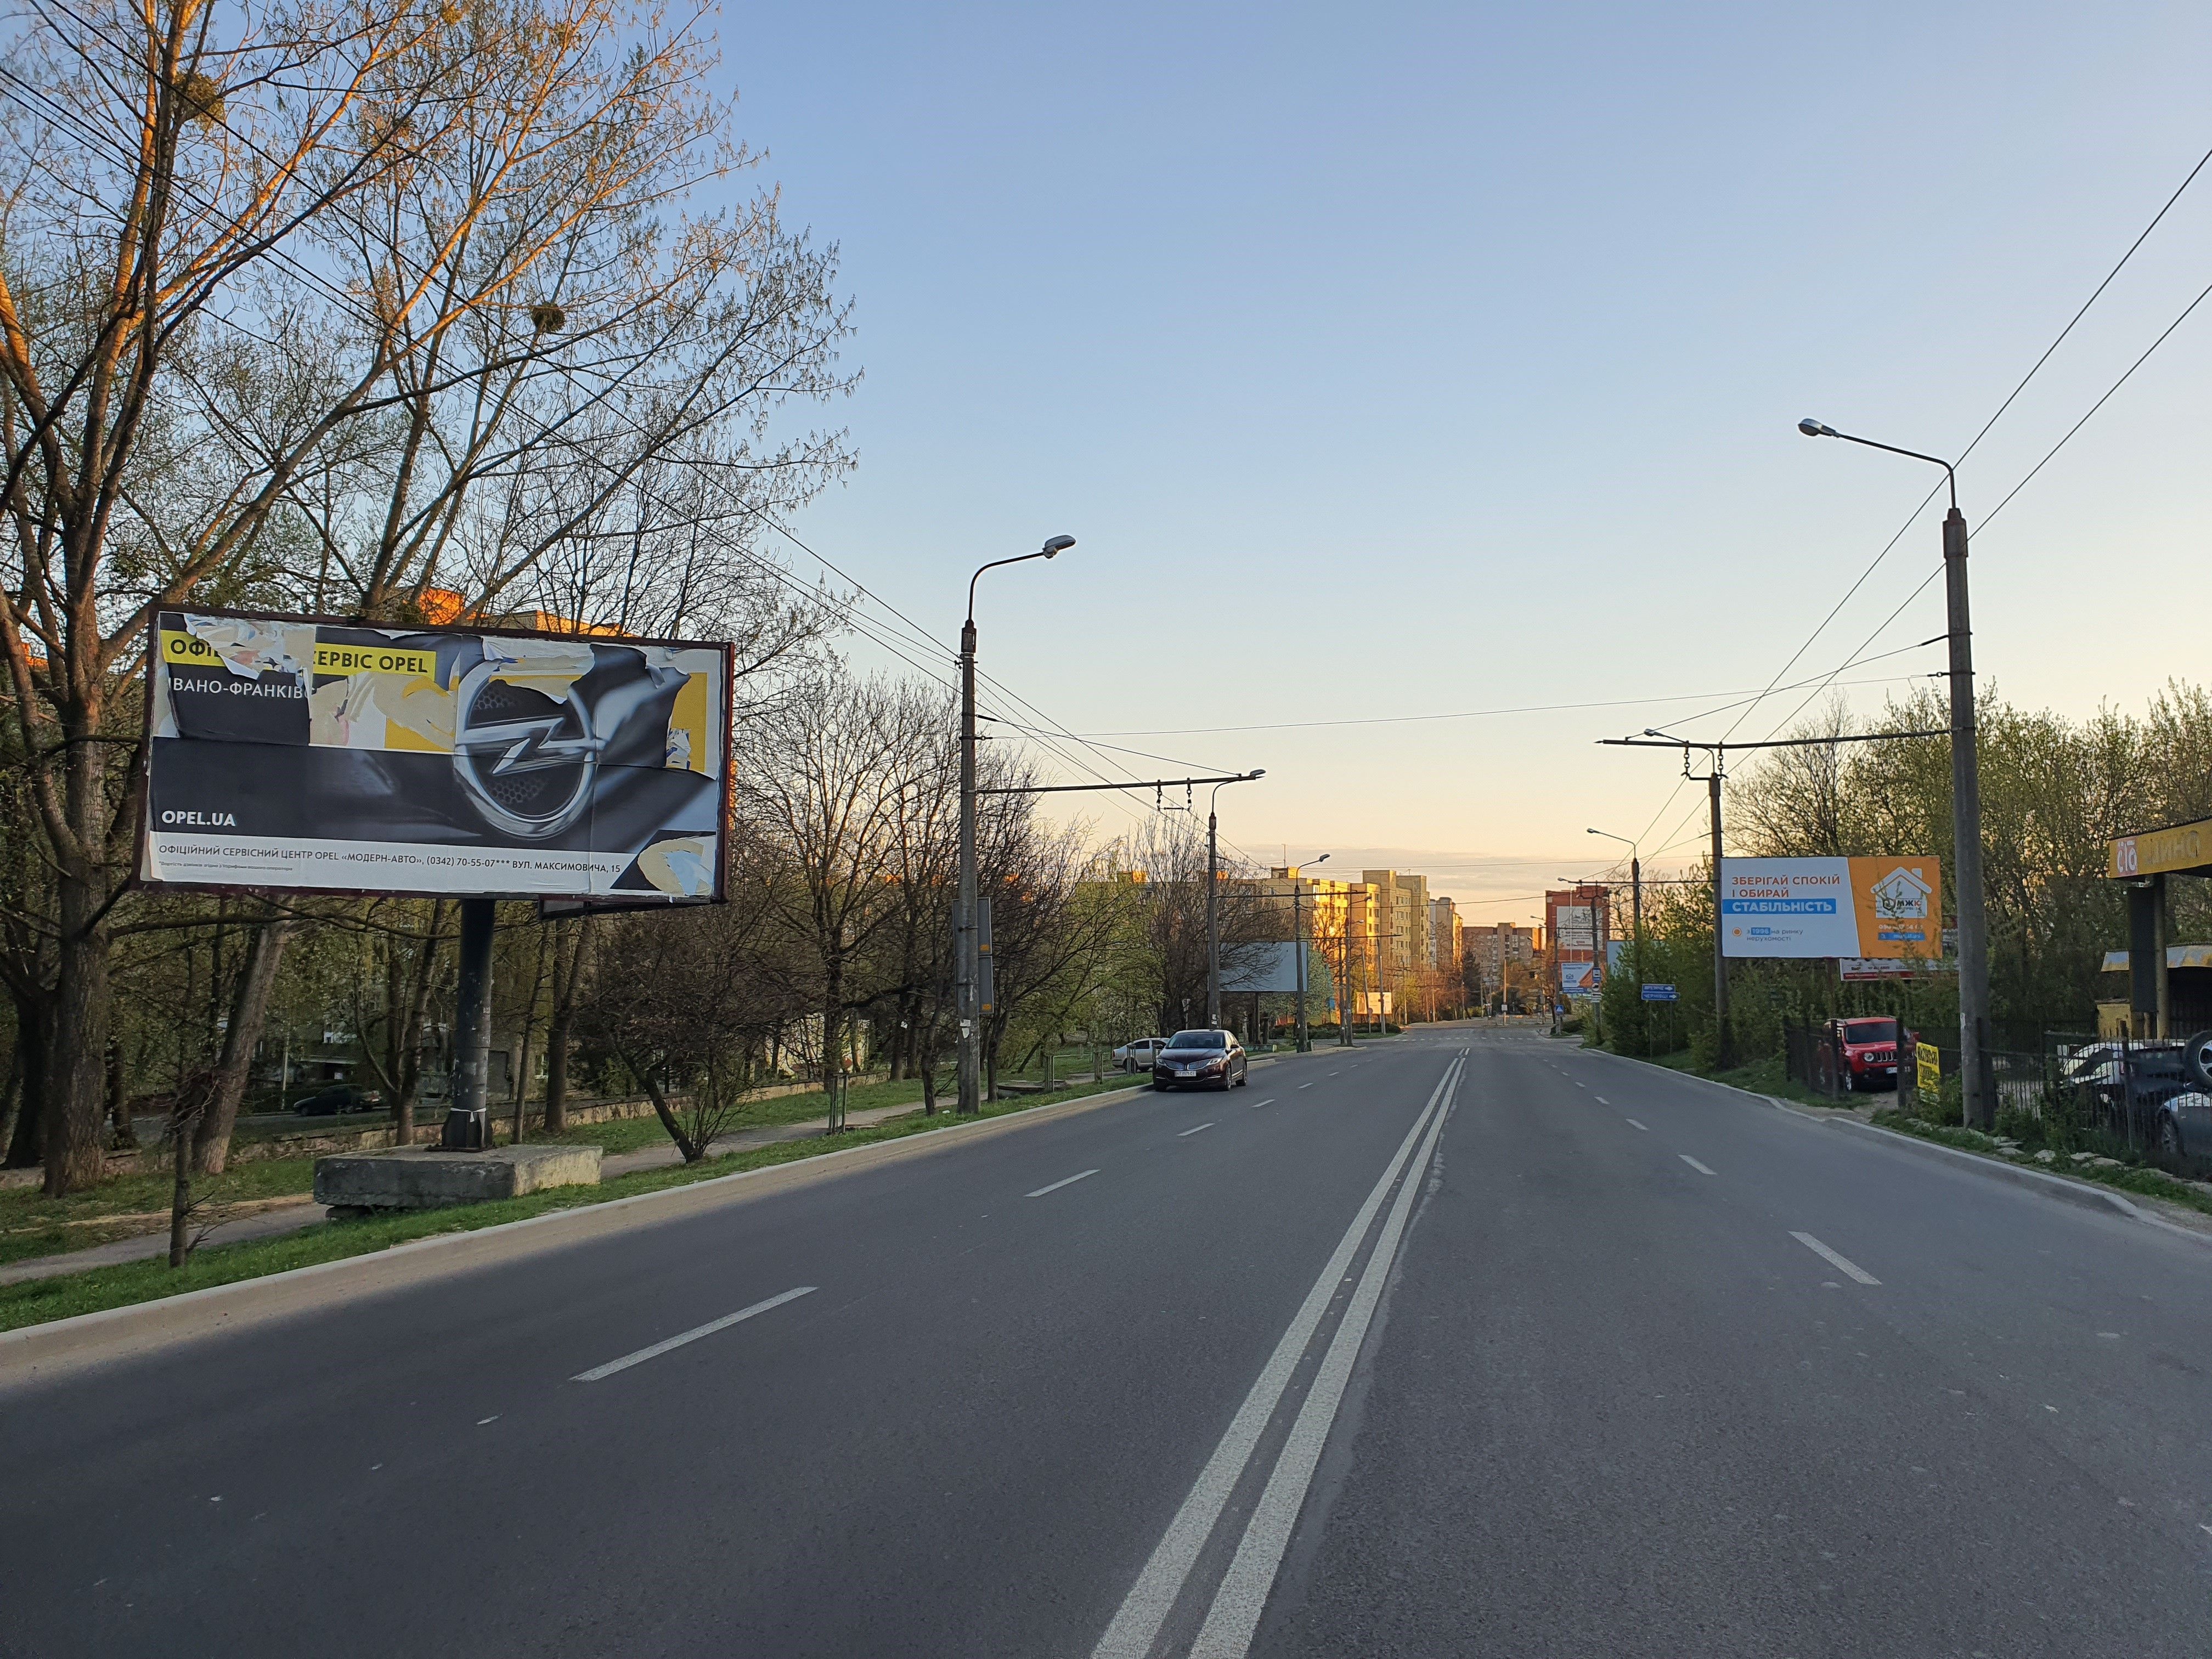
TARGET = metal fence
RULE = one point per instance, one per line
(2095, 1093)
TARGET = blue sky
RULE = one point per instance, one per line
(1404, 360)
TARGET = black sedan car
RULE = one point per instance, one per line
(337, 1098)
(1201, 1060)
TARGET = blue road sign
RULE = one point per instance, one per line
(1659, 994)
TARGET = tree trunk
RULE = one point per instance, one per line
(11, 1096)
(418, 1008)
(121, 1137)
(77, 1097)
(925, 1066)
(26, 1143)
(570, 962)
(833, 1043)
(651, 1083)
(249, 1012)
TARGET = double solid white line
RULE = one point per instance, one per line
(1235, 1613)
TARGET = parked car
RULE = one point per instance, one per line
(1866, 1053)
(1138, 1052)
(2159, 1089)
(337, 1098)
(1203, 1058)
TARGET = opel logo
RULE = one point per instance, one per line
(525, 761)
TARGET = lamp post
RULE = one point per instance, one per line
(967, 963)
(1213, 899)
(1966, 795)
(1304, 1043)
(1635, 897)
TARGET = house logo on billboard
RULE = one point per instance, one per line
(1901, 894)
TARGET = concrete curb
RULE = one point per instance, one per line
(39, 1353)
(2082, 1193)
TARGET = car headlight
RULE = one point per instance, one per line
(1213, 1065)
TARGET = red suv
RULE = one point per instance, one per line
(1865, 1052)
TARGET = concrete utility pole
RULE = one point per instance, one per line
(1965, 797)
(967, 963)
(1721, 1044)
(1214, 898)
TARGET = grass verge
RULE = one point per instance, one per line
(45, 1300)
(33, 1224)
(2136, 1178)
(1761, 1076)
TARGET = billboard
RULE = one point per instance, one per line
(289, 753)
(1816, 908)
(1574, 926)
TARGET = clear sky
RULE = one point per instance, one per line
(1394, 360)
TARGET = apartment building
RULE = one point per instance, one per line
(1446, 940)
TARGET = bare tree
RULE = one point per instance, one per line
(389, 290)
(819, 776)
(688, 1001)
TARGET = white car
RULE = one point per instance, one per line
(1138, 1052)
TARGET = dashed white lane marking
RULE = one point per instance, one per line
(1693, 1163)
(1309, 1086)
(1839, 1263)
(658, 1348)
(1633, 1124)
(1068, 1181)
(1193, 1132)
(1601, 1100)
(1256, 1104)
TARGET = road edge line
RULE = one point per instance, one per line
(2081, 1193)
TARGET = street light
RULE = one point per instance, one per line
(1304, 1043)
(1635, 894)
(966, 955)
(1965, 794)
(1213, 899)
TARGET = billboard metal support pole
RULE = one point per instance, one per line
(468, 1117)
(1298, 944)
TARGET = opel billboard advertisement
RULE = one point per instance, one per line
(328, 756)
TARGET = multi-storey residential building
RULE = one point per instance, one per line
(1446, 943)
(1498, 946)
(1343, 924)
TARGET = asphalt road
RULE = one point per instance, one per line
(1529, 1352)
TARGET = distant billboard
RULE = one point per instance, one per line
(285, 752)
(1814, 908)
(1574, 926)
(1578, 978)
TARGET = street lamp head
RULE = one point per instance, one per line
(1813, 429)
(1323, 858)
(1257, 772)
(1058, 545)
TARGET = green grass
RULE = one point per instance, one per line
(1764, 1076)
(44, 1300)
(33, 1224)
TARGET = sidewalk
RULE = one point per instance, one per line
(271, 1218)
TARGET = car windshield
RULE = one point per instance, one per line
(1870, 1030)
(1199, 1040)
